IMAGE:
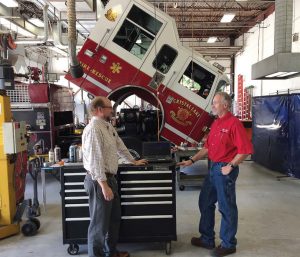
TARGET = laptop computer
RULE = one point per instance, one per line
(157, 152)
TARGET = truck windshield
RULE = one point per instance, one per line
(137, 32)
(197, 79)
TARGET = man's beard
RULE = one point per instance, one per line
(108, 118)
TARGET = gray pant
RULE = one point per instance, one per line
(105, 217)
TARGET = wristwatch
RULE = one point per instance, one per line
(191, 158)
(231, 165)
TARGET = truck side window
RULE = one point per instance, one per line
(165, 58)
(197, 79)
(137, 32)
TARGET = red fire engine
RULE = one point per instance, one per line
(135, 49)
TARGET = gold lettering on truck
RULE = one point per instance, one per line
(95, 72)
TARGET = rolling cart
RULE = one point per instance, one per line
(148, 204)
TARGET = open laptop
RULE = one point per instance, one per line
(157, 152)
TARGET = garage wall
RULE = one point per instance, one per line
(259, 44)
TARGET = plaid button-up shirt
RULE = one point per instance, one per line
(101, 148)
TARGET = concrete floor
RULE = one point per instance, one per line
(269, 223)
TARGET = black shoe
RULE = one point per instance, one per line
(222, 251)
(196, 241)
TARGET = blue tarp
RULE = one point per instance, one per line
(294, 136)
(276, 133)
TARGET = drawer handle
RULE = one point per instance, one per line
(71, 205)
(77, 219)
(76, 197)
(145, 172)
(151, 195)
(74, 190)
(145, 188)
(147, 203)
(146, 181)
(147, 217)
(74, 183)
(74, 174)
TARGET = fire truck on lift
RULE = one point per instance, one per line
(135, 49)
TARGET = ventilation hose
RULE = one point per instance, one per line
(75, 67)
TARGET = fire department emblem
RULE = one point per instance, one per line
(116, 67)
(181, 116)
(111, 15)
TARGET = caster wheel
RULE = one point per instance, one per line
(168, 248)
(29, 228)
(181, 188)
(36, 222)
(73, 249)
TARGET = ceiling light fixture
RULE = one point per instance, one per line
(11, 26)
(276, 74)
(29, 42)
(288, 74)
(227, 17)
(211, 40)
(37, 22)
(9, 3)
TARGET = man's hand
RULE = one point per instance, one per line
(184, 163)
(226, 170)
(140, 162)
(106, 190)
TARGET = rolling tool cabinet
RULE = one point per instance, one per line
(75, 207)
(148, 205)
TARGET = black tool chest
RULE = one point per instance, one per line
(75, 207)
(148, 204)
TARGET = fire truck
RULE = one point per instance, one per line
(134, 49)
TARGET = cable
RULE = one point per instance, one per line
(156, 77)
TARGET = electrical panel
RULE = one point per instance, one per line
(14, 138)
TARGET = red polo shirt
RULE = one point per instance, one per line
(226, 139)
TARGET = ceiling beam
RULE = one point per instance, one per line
(261, 17)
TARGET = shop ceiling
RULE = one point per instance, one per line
(197, 21)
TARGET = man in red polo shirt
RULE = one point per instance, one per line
(227, 146)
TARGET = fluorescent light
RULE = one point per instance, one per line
(288, 74)
(29, 42)
(211, 40)
(37, 22)
(276, 74)
(11, 26)
(227, 17)
(9, 3)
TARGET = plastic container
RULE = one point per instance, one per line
(79, 153)
(51, 156)
(72, 153)
(57, 153)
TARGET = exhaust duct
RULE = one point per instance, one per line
(283, 64)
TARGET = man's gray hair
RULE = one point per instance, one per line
(226, 98)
